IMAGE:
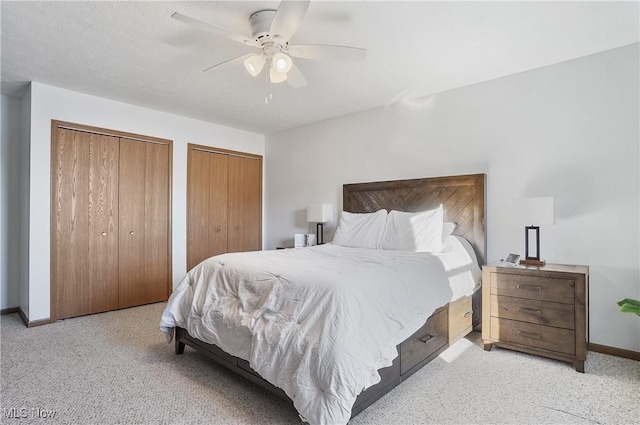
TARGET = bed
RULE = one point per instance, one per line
(336, 342)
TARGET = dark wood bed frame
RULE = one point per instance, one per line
(463, 200)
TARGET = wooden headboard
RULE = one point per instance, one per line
(462, 197)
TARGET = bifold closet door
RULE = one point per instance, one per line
(84, 260)
(224, 203)
(245, 204)
(207, 205)
(144, 222)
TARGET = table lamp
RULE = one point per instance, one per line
(532, 213)
(320, 214)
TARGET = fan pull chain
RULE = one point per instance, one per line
(267, 89)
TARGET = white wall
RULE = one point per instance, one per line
(25, 169)
(568, 130)
(49, 103)
(9, 202)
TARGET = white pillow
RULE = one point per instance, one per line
(360, 230)
(447, 230)
(421, 231)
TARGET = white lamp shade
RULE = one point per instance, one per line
(532, 211)
(276, 77)
(321, 213)
(254, 64)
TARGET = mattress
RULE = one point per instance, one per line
(319, 322)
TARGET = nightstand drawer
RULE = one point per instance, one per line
(533, 311)
(533, 287)
(532, 335)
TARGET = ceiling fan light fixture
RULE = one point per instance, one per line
(254, 64)
(281, 62)
(275, 76)
(271, 31)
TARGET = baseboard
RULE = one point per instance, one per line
(613, 351)
(9, 310)
(24, 317)
(33, 323)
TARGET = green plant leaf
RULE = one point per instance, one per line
(629, 305)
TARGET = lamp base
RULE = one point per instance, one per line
(532, 262)
(319, 234)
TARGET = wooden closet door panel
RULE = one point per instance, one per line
(132, 215)
(103, 222)
(206, 205)
(198, 187)
(69, 262)
(218, 198)
(156, 223)
(245, 204)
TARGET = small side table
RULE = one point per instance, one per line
(537, 310)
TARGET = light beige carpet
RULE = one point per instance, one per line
(116, 368)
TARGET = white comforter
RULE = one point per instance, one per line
(318, 322)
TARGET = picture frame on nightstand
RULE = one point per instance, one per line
(512, 259)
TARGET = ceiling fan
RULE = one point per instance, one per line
(271, 31)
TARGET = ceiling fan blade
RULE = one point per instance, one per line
(295, 78)
(238, 59)
(327, 52)
(223, 32)
(288, 18)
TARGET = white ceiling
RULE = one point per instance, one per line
(134, 52)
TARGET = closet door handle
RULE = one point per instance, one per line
(236, 229)
(218, 230)
(104, 233)
(131, 232)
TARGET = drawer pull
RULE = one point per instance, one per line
(529, 287)
(427, 338)
(467, 313)
(530, 311)
(529, 335)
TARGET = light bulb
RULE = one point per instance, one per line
(281, 62)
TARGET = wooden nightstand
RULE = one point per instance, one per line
(537, 310)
